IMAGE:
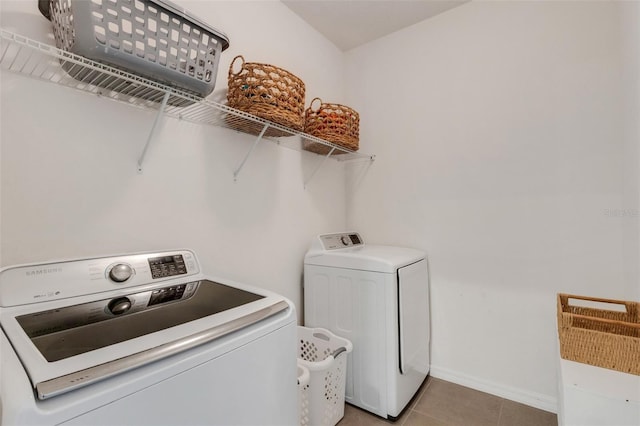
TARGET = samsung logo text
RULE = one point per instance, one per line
(43, 271)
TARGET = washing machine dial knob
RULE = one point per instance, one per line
(345, 240)
(120, 272)
(119, 306)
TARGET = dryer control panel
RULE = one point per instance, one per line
(341, 240)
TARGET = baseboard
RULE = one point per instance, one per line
(533, 399)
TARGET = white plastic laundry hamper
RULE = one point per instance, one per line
(325, 356)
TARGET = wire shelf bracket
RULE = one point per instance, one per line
(246, 157)
(318, 166)
(154, 128)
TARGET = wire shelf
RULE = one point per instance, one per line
(32, 58)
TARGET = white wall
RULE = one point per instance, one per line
(70, 188)
(507, 150)
(630, 32)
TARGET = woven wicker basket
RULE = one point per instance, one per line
(268, 92)
(334, 123)
(600, 337)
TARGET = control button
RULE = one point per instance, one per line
(119, 306)
(344, 240)
(121, 272)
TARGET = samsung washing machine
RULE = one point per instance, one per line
(143, 339)
(378, 298)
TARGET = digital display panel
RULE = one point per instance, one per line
(167, 266)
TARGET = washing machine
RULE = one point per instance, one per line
(143, 339)
(378, 298)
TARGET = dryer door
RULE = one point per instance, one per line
(413, 317)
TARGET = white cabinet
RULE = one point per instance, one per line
(595, 396)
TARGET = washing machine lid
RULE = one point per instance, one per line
(326, 250)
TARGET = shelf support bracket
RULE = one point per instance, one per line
(320, 163)
(246, 157)
(152, 133)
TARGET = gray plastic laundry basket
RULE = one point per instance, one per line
(154, 39)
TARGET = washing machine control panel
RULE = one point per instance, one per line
(342, 240)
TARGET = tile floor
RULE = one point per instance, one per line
(440, 403)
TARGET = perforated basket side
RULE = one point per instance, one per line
(142, 37)
(304, 378)
(316, 344)
(314, 350)
(334, 387)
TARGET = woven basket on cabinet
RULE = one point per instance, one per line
(600, 337)
(268, 92)
(334, 123)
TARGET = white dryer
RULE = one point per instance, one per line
(378, 298)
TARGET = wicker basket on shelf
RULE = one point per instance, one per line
(268, 92)
(605, 338)
(334, 123)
